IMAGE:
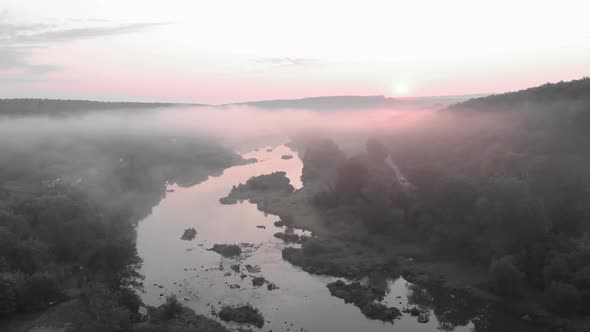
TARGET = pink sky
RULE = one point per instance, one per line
(229, 51)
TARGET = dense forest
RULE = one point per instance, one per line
(68, 208)
(499, 182)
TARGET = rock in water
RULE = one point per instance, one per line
(423, 318)
(258, 281)
(252, 269)
(227, 250)
(189, 234)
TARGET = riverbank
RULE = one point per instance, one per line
(206, 281)
(76, 315)
(345, 249)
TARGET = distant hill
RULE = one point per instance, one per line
(32, 106)
(336, 103)
(572, 94)
(21, 107)
(327, 102)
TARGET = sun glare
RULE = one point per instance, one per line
(401, 88)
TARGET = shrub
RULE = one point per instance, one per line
(227, 250)
(129, 299)
(38, 291)
(171, 307)
(242, 314)
(189, 234)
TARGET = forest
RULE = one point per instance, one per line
(69, 204)
(498, 182)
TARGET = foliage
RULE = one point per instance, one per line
(189, 234)
(170, 308)
(38, 291)
(499, 181)
(242, 314)
(351, 179)
(227, 250)
(505, 278)
(564, 299)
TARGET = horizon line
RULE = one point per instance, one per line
(245, 102)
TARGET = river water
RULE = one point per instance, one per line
(203, 280)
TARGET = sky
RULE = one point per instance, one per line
(226, 51)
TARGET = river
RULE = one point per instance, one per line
(203, 280)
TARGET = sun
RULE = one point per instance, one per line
(401, 88)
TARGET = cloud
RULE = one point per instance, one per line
(63, 35)
(17, 41)
(14, 64)
(8, 30)
(46, 33)
(11, 57)
(285, 61)
(42, 69)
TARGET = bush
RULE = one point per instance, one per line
(313, 247)
(563, 299)
(242, 314)
(129, 299)
(37, 291)
(171, 307)
(505, 278)
(189, 234)
(227, 250)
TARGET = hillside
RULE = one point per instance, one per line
(343, 103)
(20, 107)
(575, 93)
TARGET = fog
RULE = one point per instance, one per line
(482, 184)
(98, 151)
(238, 127)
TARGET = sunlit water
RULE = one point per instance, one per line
(187, 269)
